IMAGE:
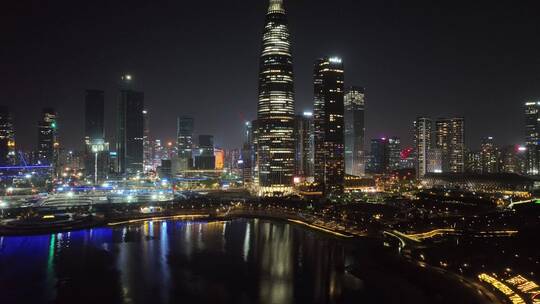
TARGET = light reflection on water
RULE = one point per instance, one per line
(240, 261)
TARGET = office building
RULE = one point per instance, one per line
(147, 144)
(48, 141)
(205, 158)
(96, 156)
(304, 136)
(184, 135)
(275, 144)
(354, 104)
(130, 129)
(379, 155)
(7, 137)
(248, 152)
(329, 125)
(532, 137)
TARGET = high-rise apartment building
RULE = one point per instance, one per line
(329, 124)
(489, 156)
(354, 104)
(379, 155)
(449, 138)
(423, 144)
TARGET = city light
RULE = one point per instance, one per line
(336, 60)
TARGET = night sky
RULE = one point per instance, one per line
(476, 59)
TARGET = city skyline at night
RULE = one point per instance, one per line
(270, 151)
(465, 87)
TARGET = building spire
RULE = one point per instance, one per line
(276, 6)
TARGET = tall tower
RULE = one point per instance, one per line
(7, 137)
(329, 125)
(130, 130)
(48, 137)
(304, 144)
(532, 137)
(147, 143)
(449, 138)
(275, 112)
(184, 141)
(422, 143)
(489, 155)
(354, 101)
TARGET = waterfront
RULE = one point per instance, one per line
(237, 261)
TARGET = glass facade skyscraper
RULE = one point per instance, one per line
(48, 137)
(532, 137)
(304, 144)
(275, 143)
(130, 130)
(95, 158)
(354, 101)
(184, 141)
(329, 167)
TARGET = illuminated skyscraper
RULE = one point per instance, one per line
(304, 144)
(329, 125)
(184, 135)
(7, 137)
(422, 143)
(147, 144)
(130, 129)
(48, 145)
(354, 101)
(394, 154)
(275, 142)
(532, 137)
(247, 155)
(489, 156)
(449, 137)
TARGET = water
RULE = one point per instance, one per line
(240, 261)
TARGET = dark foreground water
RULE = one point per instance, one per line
(239, 261)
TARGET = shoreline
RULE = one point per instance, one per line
(8, 231)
